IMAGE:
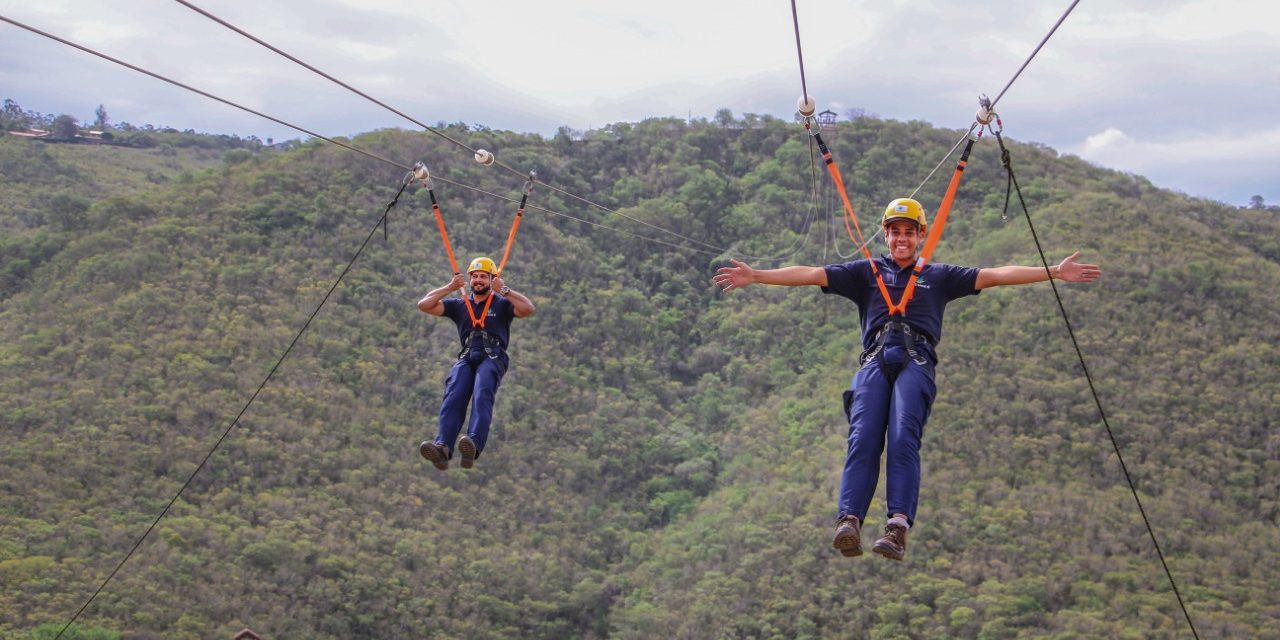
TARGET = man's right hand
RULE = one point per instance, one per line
(459, 281)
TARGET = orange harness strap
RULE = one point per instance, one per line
(849, 214)
(931, 241)
(477, 320)
(935, 233)
(453, 261)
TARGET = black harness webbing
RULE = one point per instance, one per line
(492, 345)
(909, 337)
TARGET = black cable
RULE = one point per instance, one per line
(522, 174)
(1092, 389)
(236, 421)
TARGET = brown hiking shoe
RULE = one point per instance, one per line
(893, 544)
(848, 536)
(468, 450)
(435, 453)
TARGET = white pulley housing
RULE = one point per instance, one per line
(984, 115)
(421, 173)
(484, 157)
(807, 106)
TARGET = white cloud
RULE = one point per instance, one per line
(1113, 147)
(1206, 164)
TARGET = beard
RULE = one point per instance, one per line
(479, 289)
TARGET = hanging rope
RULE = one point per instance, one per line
(1062, 309)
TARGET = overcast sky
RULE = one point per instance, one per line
(1185, 92)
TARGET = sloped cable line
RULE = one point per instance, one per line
(522, 174)
(1008, 85)
(349, 147)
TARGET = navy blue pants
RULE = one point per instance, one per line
(892, 407)
(473, 380)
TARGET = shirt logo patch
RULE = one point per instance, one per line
(920, 283)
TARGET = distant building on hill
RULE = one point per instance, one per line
(31, 133)
(87, 137)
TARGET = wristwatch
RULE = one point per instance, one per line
(503, 291)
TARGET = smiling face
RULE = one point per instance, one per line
(480, 282)
(903, 237)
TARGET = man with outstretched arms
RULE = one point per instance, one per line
(893, 390)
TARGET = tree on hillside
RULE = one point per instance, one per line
(100, 122)
(1256, 202)
(65, 127)
(11, 116)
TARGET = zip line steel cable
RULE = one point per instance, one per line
(521, 174)
(804, 84)
(1008, 84)
(1013, 180)
(344, 145)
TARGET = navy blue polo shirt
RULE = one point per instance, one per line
(939, 284)
(496, 323)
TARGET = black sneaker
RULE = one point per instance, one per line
(435, 453)
(893, 544)
(848, 536)
(468, 450)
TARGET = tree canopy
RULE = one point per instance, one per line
(664, 458)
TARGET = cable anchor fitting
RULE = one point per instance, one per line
(484, 157)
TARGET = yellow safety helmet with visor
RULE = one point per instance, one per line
(905, 209)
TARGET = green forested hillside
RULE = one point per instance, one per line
(665, 457)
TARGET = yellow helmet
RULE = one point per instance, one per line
(905, 209)
(483, 264)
